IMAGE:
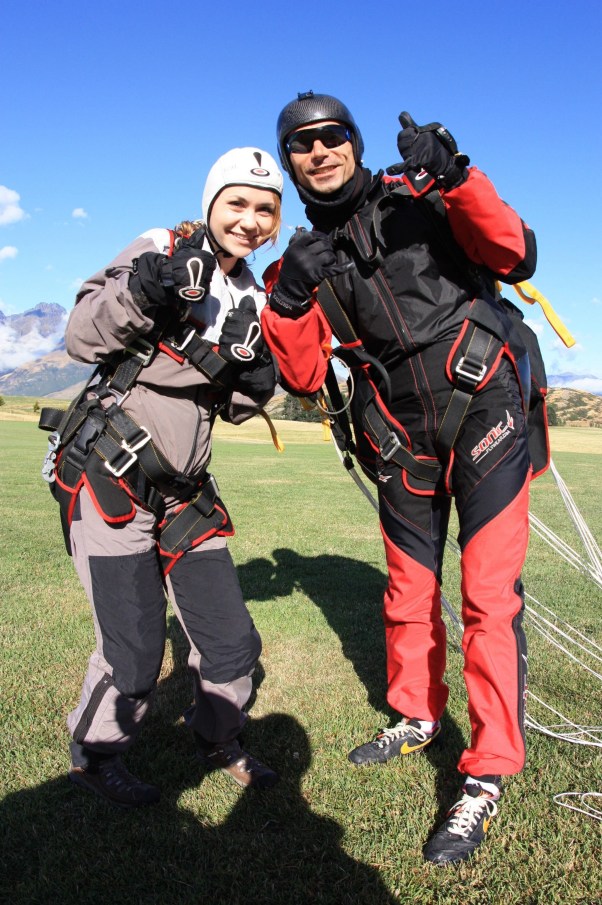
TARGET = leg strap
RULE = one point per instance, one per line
(204, 516)
(468, 373)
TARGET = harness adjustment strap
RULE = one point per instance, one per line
(130, 449)
(141, 349)
(470, 371)
(391, 445)
(391, 448)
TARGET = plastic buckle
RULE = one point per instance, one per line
(471, 375)
(142, 349)
(390, 447)
(48, 465)
(131, 449)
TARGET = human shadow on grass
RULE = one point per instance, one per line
(349, 593)
(62, 844)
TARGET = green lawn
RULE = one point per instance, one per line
(311, 565)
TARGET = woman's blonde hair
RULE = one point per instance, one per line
(186, 228)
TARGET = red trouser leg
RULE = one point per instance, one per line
(494, 646)
(415, 637)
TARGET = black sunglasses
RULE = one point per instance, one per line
(331, 136)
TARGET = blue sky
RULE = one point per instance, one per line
(113, 113)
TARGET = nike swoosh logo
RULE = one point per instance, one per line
(408, 749)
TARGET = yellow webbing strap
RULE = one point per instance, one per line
(530, 294)
(309, 406)
(306, 404)
(275, 438)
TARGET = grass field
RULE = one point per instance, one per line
(311, 564)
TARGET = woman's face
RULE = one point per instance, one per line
(242, 218)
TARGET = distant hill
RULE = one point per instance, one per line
(52, 374)
(575, 407)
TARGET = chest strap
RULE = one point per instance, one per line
(184, 342)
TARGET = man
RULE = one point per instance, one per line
(441, 409)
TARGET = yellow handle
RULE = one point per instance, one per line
(275, 438)
(530, 294)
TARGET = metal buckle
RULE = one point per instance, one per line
(470, 375)
(180, 346)
(131, 450)
(142, 349)
(48, 465)
(392, 443)
(118, 397)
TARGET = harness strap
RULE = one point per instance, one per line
(392, 449)
(202, 517)
(341, 428)
(137, 356)
(389, 443)
(469, 373)
(186, 342)
(125, 448)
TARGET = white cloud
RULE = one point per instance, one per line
(557, 345)
(596, 301)
(536, 326)
(79, 214)
(15, 350)
(10, 209)
(9, 251)
(76, 284)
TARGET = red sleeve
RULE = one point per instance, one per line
(302, 347)
(489, 231)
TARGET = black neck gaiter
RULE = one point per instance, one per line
(326, 212)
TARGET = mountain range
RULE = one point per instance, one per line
(33, 360)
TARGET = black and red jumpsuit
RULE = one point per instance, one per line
(408, 308)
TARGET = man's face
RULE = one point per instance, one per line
(320, 168)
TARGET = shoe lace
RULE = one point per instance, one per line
(116, 774)
(467, 812)
(386, 736)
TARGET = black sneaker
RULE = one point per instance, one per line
(465, 827)
(242, 767)
(404, 738)
(114, 782)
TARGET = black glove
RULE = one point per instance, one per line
(308, 260)
(241, 342)
(178, 280)
(431, 148)
(257, 382)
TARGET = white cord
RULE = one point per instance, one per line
(589, 810)
(325, 410)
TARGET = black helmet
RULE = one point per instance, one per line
(315, 108)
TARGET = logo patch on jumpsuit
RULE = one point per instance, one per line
(493, 438)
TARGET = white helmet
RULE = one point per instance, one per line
(241, 166)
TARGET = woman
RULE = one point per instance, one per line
(173, 323)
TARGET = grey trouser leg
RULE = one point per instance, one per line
(225, 645)
(120, 572)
